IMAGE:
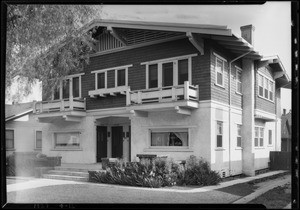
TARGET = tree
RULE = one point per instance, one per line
(45, 42)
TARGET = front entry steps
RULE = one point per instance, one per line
(71, 174)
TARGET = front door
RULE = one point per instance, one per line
(117, 141)
(101, 142)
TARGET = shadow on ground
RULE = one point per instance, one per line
(242, 189)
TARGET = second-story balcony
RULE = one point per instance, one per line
(68, 109)
(182, 98)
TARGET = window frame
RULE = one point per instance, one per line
(270, 144)
(266, 87)
(223, 60)
(259, 137)
(60, 88)
(238, 70)
(222, 134)
(168, 130)
(35, 140)
(175, 69)
(115, 69)
(54, 147)
(13, 148)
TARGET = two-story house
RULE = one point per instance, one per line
(168, 89)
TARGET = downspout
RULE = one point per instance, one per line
(229, 112)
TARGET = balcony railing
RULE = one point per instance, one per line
(59, 106)
(164, 94)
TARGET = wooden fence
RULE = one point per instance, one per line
(280, 160)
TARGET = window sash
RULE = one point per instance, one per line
(67, 140)
(219, 134)
(121, 77)
(153, 76)
(101, 80)
(167, 74)
(259, 137)
(239, 136)
(169, 138)
(76, 87)
(239, 81)
(183, 71)
(38, 139)
(219, 71)
(9, 139)
(270, 137)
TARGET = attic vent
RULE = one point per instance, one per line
(107, 42)
(137, 36)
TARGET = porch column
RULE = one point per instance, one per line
(248, 77)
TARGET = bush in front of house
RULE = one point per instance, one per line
(154, 174)
(20, 165)
(198, 172)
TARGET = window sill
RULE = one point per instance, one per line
(238, 148)
(37, 149)
(67, 149)
(266, 99)
(220, 86)
(238, 93)
(259, 147)
(10, 149)
(219, 149)
(164, 149)
(270, 145)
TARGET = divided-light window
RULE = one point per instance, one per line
(265, 87)
(38, 140)
(219, 134)
(238, 81)
(259, 137)
(239, 136)
(72, 83)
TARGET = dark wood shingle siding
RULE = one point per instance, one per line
(262, 103)
(137, 73)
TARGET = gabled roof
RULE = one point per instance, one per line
(15, 111)
(286, 125)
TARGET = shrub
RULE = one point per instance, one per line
(156, 173)
(19, 165)
(198, 172)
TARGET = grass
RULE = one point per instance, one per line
(276, 198)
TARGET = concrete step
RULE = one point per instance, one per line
(68, 173)
(65, 177)
(60, 168)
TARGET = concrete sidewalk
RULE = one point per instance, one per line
(265, 188)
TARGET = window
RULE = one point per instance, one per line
(73, 83)
(121, 77)
(177, 137)
(239, 136)
(259, 137)
(101, 80)
(38, 140)
(238, 80)
(66, 140)
(270, 137)
(9, 139)
(219, 70)
(169, 72)
(167, 75)
(153, 79)
(219, 134)
(265, 87)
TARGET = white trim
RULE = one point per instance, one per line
(73, 75)
(112, 68)
(18, 115)
(215, 54)
(213, 104)
(165, 60)
(147, 76)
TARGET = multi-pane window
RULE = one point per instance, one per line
(259, 137)
(238, 81)
(153, 76)
(9, 139)
(167, 74)
(270, 137)
(219, 134)
(66, 140)
(219, 71)
(65, 85)
(178, 137)
(183, 73)
(265, 87)
(239, 136)
(38, 140)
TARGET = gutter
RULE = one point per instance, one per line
(229, 112)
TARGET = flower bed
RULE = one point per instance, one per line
(156, 173)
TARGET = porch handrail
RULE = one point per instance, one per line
(66, 104)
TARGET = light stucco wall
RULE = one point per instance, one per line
(199, 135)
(24, 134)
(87, 129)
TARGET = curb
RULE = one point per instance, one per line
(261, 191)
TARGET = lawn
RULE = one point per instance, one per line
(276, 198)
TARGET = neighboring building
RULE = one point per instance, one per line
(22, 132)
(165, 89)
(286, 131)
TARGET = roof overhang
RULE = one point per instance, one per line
(280, 75)
(18, 115)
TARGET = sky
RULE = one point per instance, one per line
(272, 22)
